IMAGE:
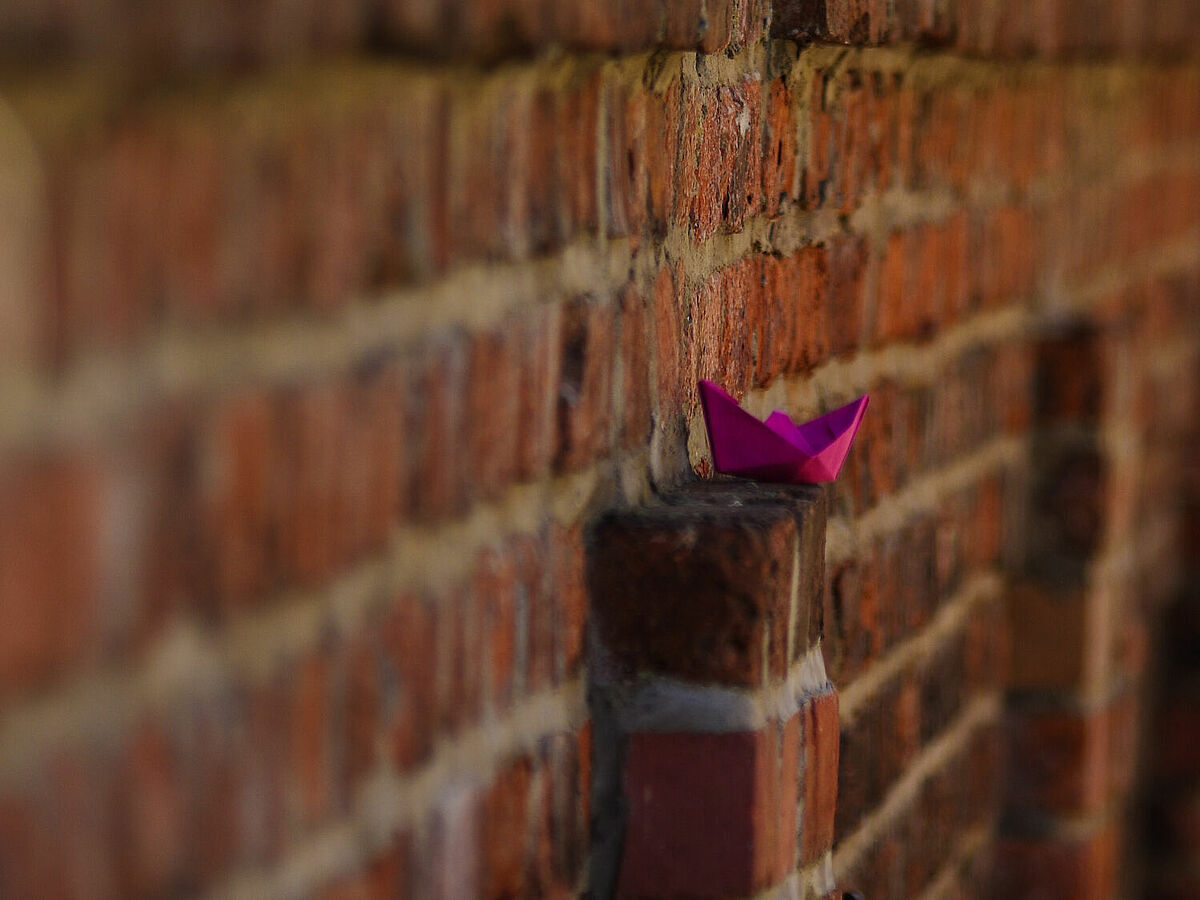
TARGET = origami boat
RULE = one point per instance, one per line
(778, 449)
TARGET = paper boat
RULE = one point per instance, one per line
(778, 449)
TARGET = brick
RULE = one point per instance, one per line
(847, 263)
(1052, 644)
(668, 342)
(506, 835)
(563, 819)
(585, 391)
(779, 149)
(776, 328)
(361, 670)
(942, 687)
(492, 408)
(808, 506)
(436, 416)
(50, 565)
(821, 732)
(1068, 868)
(409, 633)
(311, 742)
(676, 785)
(569, 589)
(635, 397)
(579, 124)
(694, 591)
(495, 588)
(874, 750)
(155, 831)
(1059, 760)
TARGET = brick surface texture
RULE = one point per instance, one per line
(360, 535)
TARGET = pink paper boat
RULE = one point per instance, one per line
(778, 449)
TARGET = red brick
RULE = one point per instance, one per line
(155, 830)
(492, 410)
(563, 820)
(409, 634)
(626, 173)
(585, 392)
(568, 588)
(310, 739)
(1060, 761)
(677, 786)
(821, 731)
(672, 376)
(635, 395)
(362, 671)
(436, 417)
(30, 849)
(495, 588)
(531, 558)
(539, 358)
(663, 123)
(505, 842)
(847, 262)
(776, 335)
(779, 149)
(811, 341)
(1063, 868)
(578, 128)
(50, 556)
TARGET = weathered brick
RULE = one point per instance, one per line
(694, 590)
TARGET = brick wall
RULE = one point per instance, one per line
(360, 533)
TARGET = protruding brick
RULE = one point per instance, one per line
(694, 590)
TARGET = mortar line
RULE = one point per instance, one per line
(949, 620)
(906, 791)
(664, 704)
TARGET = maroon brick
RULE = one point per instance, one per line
(676, 786)
(1059, 761)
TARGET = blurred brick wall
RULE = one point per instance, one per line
(347, 392)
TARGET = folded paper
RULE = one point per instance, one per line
(778, 449)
